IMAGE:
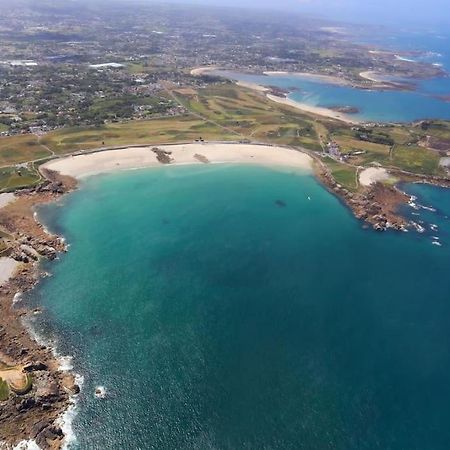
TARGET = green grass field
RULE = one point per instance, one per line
(4, 390)
(143, 132)
(252, 115)
(12, 178)
(416, 159)
(20, 149)
(344, 174)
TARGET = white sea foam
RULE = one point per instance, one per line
(65, 363)
(437, 243)
(17, 297)
(412, 200)
(66, 420)
(100, 392)
(28, 322)
(427, 208)
(27, 445)
(419, 228)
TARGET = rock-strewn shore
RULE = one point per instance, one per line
(35, 415)
(377, 204)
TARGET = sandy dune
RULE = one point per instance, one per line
(6, 198)
(8, 266)
(373, 175)
(199, 71)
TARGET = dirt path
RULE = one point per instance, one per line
(15, 377)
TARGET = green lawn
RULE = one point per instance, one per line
(12, 178)
(416, 159)
(145, 132)
(19, 149)
(343, 174)
(4, 390)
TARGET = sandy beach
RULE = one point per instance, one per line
(325, 112)
(199, 71)
(371, 75)
(8, 267)
(373, 175)
(6, 198)
(133, 158)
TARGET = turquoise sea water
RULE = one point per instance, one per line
(235, 307)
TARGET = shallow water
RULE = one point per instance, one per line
(240, 307)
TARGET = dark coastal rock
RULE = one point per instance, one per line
(35, 367)
(26, 404)
(162, 156)
(50, 393)
(38, 428)
(47, 437)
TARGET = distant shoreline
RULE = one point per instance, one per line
(317, 110)
(285, 100)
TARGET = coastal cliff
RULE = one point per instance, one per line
(35, 414)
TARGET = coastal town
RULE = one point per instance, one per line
(79, 71)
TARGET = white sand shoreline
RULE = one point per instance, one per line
(320, 111)
(85, 165)
(8, 268)
(199, 71)
(373, 175)
(371, 75)
(6, 198)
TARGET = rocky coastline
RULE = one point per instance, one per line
(378, 204)
(37, 414)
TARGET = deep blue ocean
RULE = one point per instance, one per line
(232, 307)
(431, 46)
